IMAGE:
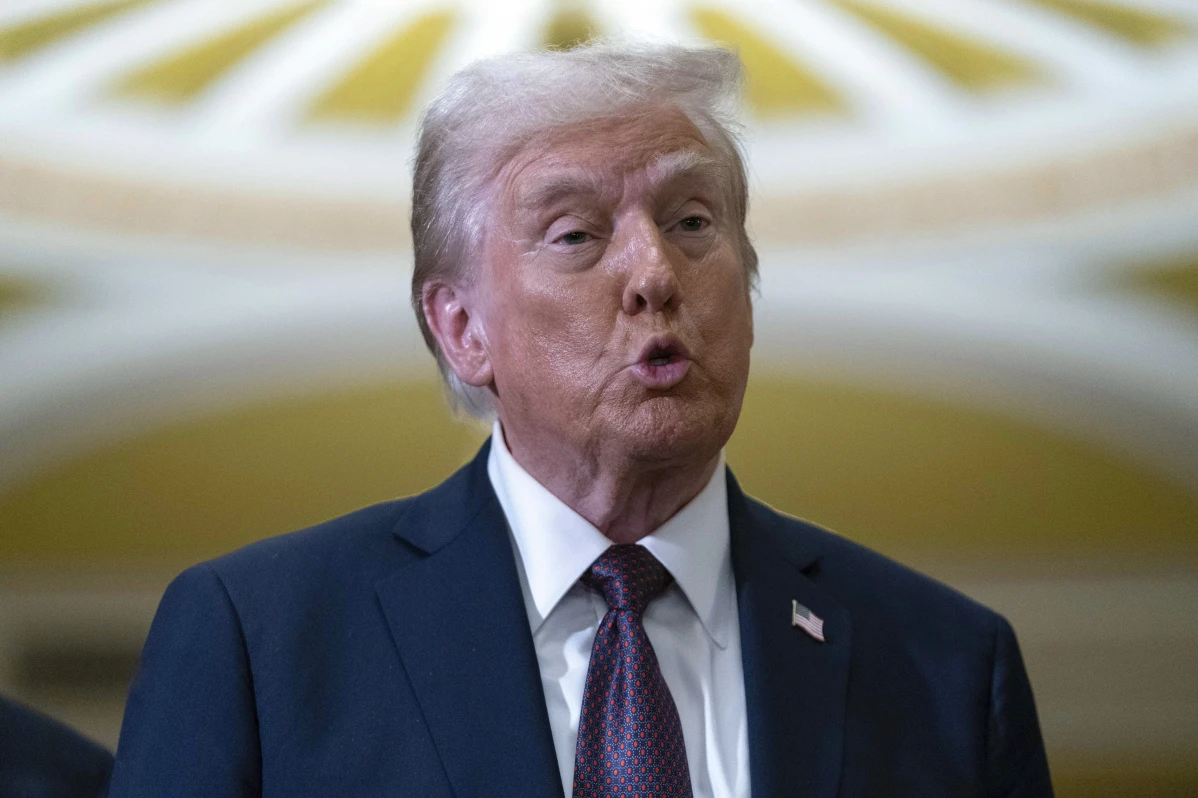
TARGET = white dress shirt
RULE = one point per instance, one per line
(693, 625)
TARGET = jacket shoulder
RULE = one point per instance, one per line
(342, 559)
(353, 535)
(874, 586)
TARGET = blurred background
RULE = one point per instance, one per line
(977, 330)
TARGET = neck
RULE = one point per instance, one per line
(623, 498)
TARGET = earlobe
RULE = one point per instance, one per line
(451, 317)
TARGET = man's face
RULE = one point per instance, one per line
(613, 296)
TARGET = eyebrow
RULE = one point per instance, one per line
(558, 187)
(671, 166)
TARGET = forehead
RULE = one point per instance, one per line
(593, 156)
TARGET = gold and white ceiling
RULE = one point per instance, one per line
(987, 202)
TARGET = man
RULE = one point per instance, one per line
(42, 758)
(591, 607)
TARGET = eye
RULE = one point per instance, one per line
(573, 238)
(693, 224)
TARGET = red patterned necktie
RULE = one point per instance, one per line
(629, 736)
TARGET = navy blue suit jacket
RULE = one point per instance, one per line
(388, 652)
(42, 758)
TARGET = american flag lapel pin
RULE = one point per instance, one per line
(806, 620)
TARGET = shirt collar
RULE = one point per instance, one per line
(556, 545)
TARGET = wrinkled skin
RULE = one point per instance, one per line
(604, 239)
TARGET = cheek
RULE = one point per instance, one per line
(558, 327)
(719, 302)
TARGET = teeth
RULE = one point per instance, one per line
(659, 361)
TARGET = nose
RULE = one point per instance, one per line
(652, 279)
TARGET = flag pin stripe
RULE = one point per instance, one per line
(806, 620)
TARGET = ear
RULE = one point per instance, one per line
(452, 318)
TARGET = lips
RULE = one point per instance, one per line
(663, 363)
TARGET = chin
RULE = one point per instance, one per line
(667, 428)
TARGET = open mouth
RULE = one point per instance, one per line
(663, 363)
(662, 356)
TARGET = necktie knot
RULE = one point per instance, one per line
(628, 576)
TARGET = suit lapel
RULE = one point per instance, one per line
(459, 622)
(795, 686)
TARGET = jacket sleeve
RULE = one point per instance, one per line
(190, 726)
(1017, 766)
